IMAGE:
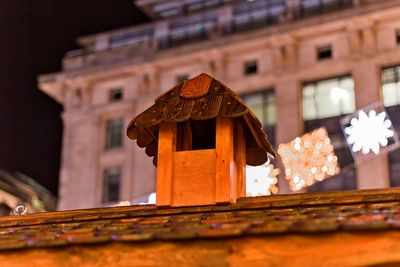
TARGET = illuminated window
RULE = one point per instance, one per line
(328, 98)
(250, 67)
(324, 52)
(391, 85)
(262, 104)
(111, 185)
(115, 95)
(324, 103)
(113, 133)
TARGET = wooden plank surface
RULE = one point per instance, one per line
(224, 162)
(334, 249)
(302, 199)
(166, 147)
(194, 178)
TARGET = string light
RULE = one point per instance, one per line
(308, 159)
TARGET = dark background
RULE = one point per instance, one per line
(34, 36)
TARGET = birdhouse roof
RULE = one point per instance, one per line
(200, 98)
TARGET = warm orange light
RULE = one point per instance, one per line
(308, 159)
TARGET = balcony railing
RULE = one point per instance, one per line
(242, 19)
(316, 7)
(190, 8)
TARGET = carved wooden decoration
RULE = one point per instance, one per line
(201, 136)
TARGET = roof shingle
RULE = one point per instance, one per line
(362, 210)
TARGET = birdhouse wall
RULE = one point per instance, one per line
(205, 176)
(194, 178)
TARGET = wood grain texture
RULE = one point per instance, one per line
(166, 147)
(196, 87)
(184, 140)
(224, 162)
(194, 178)
(240, 159)
(335, 249)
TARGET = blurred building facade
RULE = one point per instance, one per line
(17, 189)
(299, 64)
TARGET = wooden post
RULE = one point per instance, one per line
(224, 160)
(166, 148)
(240, 159)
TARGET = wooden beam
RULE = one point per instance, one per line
(166, 148)
(380, 248)
(224, 160)
(240, 158)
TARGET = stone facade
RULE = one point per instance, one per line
(146, 60)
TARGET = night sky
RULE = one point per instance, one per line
(34, 36)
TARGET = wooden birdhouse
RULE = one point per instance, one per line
(201, 136)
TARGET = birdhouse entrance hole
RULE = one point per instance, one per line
(196, 135)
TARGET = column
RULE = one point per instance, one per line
(78, 176)
(289, 123)
(373, 173)
(78, 172)
(141, 171)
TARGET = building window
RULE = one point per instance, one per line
(346, 179)
(391, 85)
(324, 52)
(328, 98)
(111, 185)
(114, 133)
(398, 36)
(182, 77)
(324, 102)
(132, 38)
(262, 104)
(250, 67)
(115, 95)
(390, 78)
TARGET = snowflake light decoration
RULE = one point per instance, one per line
(369, 132)
(308, 159)
(261, 180)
